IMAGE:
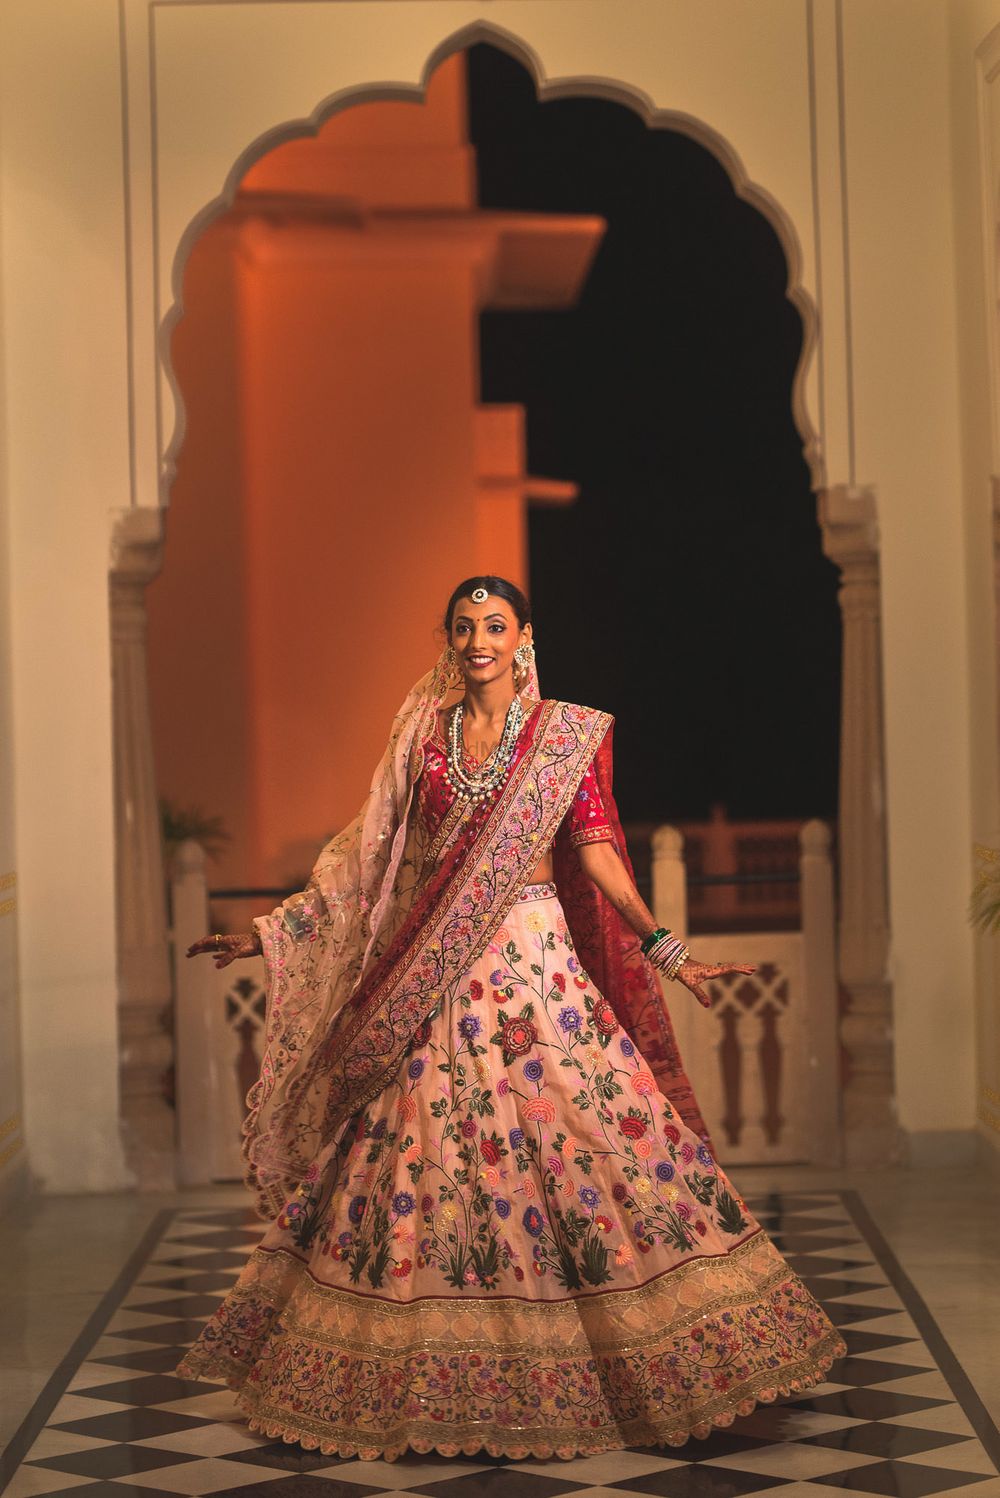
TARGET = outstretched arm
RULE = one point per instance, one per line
(226, 949)
(601, 864)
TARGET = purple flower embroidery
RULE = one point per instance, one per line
(379, 1129)
(516, 1137)
(570, 1019)
(533, 1221)
(705, 1156)
(628, 1049)
(533, 1070)
(502, 1206)
(664, 1171)
(416, 1068)
(357, 1208)
(496, 977)
(469, 1026)
(403, 1203)
(589, 1196)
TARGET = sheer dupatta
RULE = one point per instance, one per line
(610, 952)
(319, 944)
(359, 958)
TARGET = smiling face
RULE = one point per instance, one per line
(485, 636)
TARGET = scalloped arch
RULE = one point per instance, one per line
(615, 91)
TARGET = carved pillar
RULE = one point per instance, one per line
(850, 539)
(995, 487)
(145, 988)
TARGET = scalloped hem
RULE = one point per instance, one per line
(498, 1444)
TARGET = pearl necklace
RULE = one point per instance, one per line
(484, 781)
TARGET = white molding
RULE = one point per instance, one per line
(832, 270)
(988, 108)
(156, 262)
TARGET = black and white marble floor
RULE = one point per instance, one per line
(897, 1416)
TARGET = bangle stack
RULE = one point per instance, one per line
(665, 951)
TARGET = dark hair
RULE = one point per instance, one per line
(500, 588)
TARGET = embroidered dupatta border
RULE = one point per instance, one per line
(421, 963)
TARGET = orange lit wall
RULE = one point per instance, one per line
(338, 476)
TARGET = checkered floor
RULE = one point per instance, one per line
(897, 1416)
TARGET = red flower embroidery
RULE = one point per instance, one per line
(604, 1017)
(632, 1127)
(560, 981)
(489, 1151)
(469, 1129)
(604, 1223)
(475, 989)
(518, 1036)
(672, 1133)
(402, 1269)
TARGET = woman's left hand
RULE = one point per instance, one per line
(693, 974)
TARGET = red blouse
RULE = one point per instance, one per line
(586, 820)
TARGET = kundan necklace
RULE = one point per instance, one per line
(479, 784)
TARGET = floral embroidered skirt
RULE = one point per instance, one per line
(517, 1247)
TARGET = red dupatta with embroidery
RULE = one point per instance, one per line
(610, 951)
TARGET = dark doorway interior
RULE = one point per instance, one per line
(685, 591)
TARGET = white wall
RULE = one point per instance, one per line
(975, 168)
(67, 471)
(889, 408)
(13, 1158)
(908, 446)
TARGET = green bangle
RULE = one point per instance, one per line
(653, 937)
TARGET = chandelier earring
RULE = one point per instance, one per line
(452, 667)
(524, 659)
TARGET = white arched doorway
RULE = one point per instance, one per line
(176, 178)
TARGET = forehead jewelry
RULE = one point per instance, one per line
(479, 595)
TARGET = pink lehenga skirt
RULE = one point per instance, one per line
(517, 1247)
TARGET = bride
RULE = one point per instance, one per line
(496, 1219)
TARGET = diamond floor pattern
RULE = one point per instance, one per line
(123, 1424)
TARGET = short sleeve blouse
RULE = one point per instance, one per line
(587, 819)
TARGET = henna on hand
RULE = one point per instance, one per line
(226, 949)
(693, 974)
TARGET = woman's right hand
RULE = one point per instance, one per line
(225, 949)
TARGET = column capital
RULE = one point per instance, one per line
(848, 518)
(137, 545)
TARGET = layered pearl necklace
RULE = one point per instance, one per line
(479, 784)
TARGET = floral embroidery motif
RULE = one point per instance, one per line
(521, 1160)
(580, 1129)
(358, 1376)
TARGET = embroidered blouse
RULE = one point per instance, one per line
(586, 820)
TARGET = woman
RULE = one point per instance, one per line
(497, 1220)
